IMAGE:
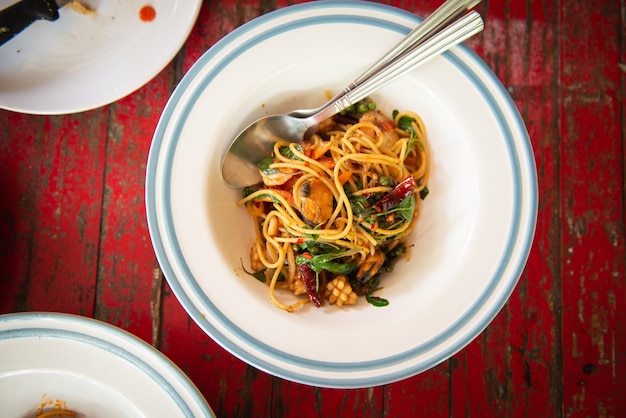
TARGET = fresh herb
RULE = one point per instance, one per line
(247, 191)
(322, 262)
(361, 205)
(395, 196)
(406, 124)
(377, 301)
(423, 193)
(406, 208)
(259, 275)
(316, 247)
(288, 152)
(368, 289)
(264, 166)
(391, 257)
(361, 106)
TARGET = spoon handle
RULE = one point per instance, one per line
(433, 23)
(457, 32)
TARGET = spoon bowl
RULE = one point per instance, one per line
(256, 142)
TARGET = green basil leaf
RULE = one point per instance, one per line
(247, 191)
(259, 275)
(287, 152)
(264, 166)
(377, 301)
(336, 268)
(323, 262)
(406, 123)
(406, 208)
(315, 247)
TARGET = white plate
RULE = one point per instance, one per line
(81, 62)
(97, 369)
(471, 242)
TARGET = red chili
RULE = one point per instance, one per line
(309, 279)
(396, 195)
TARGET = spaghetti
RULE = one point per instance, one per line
(331, 215)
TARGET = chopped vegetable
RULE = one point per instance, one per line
(287, 152)
(424, 193)
(377, 301)
(322, 262)
(392, 199)
(259, 275)
(264, 165)
(311, 283)
(406, 124)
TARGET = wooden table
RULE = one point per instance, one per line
(74, 236)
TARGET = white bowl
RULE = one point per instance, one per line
(471, 242)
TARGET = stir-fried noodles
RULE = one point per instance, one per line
(332, 214)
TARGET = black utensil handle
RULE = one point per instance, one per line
(19, 16)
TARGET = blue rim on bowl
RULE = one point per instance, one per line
(265, 356)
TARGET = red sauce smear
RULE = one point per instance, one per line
(147, 13)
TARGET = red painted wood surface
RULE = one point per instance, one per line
(74, 235)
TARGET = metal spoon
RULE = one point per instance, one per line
(256, 141)
(442, 16)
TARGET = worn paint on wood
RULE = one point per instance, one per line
(73, 235)
(592, 199)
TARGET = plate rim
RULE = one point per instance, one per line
(93, 332)
(525, 241)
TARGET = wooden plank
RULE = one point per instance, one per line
(592, 170)
(230, 386)
(19, 154)
(533, 348)
(127, 264)
(424, 395)
(509, 369)
(297, 400)
(216, 21)
(56, 166)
